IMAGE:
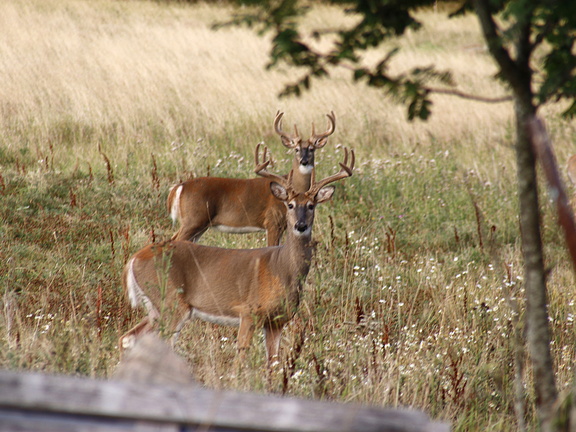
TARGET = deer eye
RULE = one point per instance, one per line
(290, 206)
(310, 206)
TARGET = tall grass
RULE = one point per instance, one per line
(106, 104)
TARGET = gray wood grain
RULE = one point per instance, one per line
(88, 402)
(153, 390)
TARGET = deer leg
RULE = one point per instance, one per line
(245, 333)
(190, 232)
(275, 224)
(180, 326)
(128, 339)
(272, 335)
(272, 237)
(274, 234)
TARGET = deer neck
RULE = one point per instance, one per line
(301, 177)
(296, 253)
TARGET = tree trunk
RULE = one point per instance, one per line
(538, 333)
(517, 73)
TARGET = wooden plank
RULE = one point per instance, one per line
(152, 361)
(14, 420)
(137, 403)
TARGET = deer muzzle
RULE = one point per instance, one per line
(306, 157)
(301, 227)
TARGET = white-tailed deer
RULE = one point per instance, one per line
(177, 280)
(571, 169)
(244, 205)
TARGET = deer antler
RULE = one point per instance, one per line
(287, 140)
(261, 167)
(265, 159)
(345, 171)
(319, 140)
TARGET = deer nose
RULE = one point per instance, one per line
(301, 226)
(304, 157)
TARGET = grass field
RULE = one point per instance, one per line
(104, 105)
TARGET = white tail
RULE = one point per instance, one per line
(244, 205)
(248, 287)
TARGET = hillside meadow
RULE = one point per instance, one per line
(416, 284)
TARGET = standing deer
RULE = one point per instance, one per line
(571, 169)
(177, 280)
(244, 205)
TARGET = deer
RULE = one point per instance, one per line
(571, 171)
(250, 288)
(244, 205)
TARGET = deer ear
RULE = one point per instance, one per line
(279, 191)
(325, 194)
(287, 142)
(320, 142)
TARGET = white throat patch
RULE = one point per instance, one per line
(305, 233)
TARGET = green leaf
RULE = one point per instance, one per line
(360, 73)
(570, 113)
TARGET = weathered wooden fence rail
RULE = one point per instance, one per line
(39, 402)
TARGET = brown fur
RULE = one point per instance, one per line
(260, 287)
(242, 205)
(237, 203)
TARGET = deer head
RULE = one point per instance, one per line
(304, 158)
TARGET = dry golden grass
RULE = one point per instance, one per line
(123, 63)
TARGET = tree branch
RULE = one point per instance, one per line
(545, 153)
(453, 92)
(501, 55)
